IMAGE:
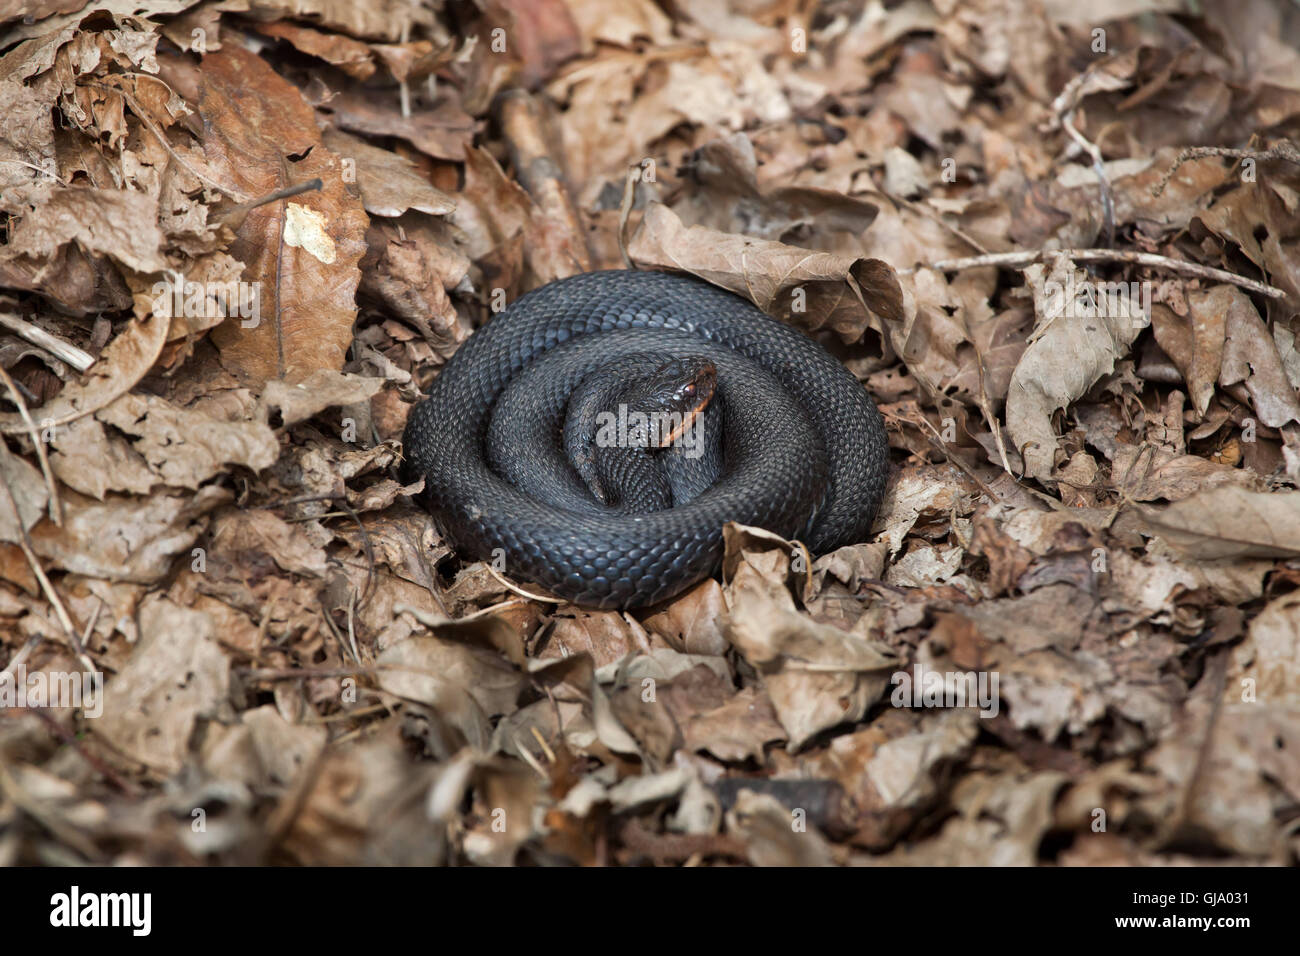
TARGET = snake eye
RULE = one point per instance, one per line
(689, 389)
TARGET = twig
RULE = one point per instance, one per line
(23, 653)
(153, 128)
(520, 591)
(104, 770)
(56, 507)
(404, 91)
(45, 172)
(542, 176)
(60, 349)
(1018, 260)
(241, 209)
(25, 543)
(149, 348)
(1098, 167)
(1282, 149)
(1064, 108)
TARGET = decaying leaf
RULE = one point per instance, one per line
(302, 255)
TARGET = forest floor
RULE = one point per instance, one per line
(1083, 340)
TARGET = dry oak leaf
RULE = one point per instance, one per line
(1072, 349)
(1251, 356)
(23, 495)
(259, 135)
(813, 290)
(444, 131)
(26, 140)
(373, 20)
(264, 751)
(464, 685)
(248, 538)
(122, 364)
(185, 447)
(176, 674)
(114, 222)
(351, 56)
(87, 458)
(324, 388)
(1230, 522)
(1271, 655)
(1195, 342)
(125, 539)
(390, 184)
(817, 675)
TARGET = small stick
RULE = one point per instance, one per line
(153, 128)
(403, 89)
(625, 211)
(1098, 167)
(44, 172)
(56, 507)
(1018, 260)
(25, 543)
(60, 349)
(520, 591)
(1282, 149)
(234, 215)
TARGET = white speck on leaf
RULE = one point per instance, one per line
(305, 228)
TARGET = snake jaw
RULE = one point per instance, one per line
(705, 385)
(687, 421)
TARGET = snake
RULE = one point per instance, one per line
(788, 440)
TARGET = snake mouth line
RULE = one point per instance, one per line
(688, 420)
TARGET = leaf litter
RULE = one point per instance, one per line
(1058, 243)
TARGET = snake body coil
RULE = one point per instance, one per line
(804, 449)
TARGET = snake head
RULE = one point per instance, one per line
(671, 398)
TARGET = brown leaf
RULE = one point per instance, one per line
(1250, 356)
(411, 267)
(23, 494)
(693, 622)
(86, 458)
(125, 539)
(259, 136)
(115, 222)
(176, 674)
(1072, 350)
(390, 184)
(184, 447)
(444, 132)
(1231, 522)
(387, 20)
(249, 540)
(123, 363)
(464, 685)
(322, 389)
(1144, 473)
(813, 290)
(351, 56)
(736, 730)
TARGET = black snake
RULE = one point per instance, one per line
(802, 448)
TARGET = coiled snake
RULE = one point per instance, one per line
(792, 441)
